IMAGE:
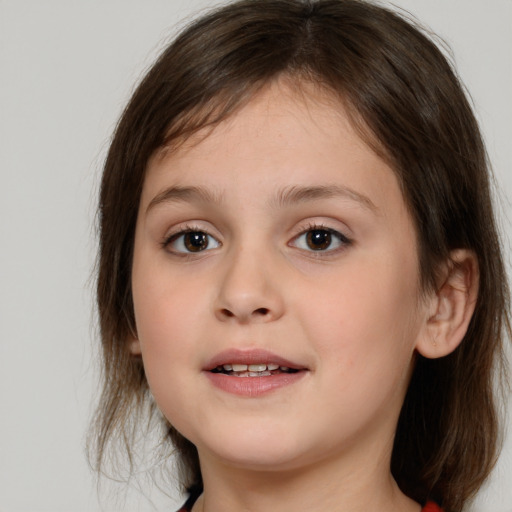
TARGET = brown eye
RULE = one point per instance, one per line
(191, 242)
(195, 241)
(318, 239)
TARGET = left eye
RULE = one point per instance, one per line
(320, 239)
(192, 242)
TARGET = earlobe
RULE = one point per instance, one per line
(133, 338)
(134, 345)
(452, 306)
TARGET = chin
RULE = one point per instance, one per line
(256, 448)
(262, 460)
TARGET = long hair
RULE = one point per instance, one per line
(407, 103)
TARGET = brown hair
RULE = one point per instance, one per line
(410, 107)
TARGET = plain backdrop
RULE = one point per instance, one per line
(67, 68)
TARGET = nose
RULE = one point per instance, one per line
(249, 289)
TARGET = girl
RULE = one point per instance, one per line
(299, 264)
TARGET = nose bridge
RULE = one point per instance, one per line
(249, 288)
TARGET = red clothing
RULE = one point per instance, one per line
(429, 507)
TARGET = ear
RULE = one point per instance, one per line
(451, 307)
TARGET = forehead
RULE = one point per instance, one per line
(287, 94)
(283, 136)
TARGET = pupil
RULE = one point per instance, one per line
(318, 239)
(196, 241)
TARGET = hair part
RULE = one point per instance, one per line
(407, 103)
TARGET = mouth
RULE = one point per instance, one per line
(251, 363)
(253, 373)
(253, 370)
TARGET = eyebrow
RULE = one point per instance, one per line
(297, 194)
(285, 197)
(185, 194)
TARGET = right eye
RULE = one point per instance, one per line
(191, 241)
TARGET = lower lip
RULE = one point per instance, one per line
(254, 386)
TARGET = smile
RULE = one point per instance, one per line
(253, 373)
(253, 370)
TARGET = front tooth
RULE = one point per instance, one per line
(272, 367)
(239, 367)
(257, 367)
(227, 367)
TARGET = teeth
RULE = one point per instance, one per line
(252, 374)
(239, 367)
(251, 370)
(257, 367)
(250, 367)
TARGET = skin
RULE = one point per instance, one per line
(352, 315)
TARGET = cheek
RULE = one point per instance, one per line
(166, 328)
(364, 335)
(365, 318)
(166, 303)
(169, 315)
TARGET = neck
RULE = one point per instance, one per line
(348, 486)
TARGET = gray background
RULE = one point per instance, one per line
(67, 68)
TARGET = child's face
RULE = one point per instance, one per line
(298, 250)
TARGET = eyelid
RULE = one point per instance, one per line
(343, 239)
(179, 231)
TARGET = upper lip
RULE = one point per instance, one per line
(249, 356)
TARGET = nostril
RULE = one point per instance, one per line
(245, 315)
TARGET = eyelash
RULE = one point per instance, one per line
(187, 229)
(342, 240)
